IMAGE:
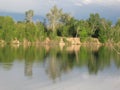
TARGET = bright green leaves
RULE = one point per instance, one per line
(7, 28)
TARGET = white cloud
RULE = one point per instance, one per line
(87, 1)
(22, 5)
(78, 4)
(98, 2)
(17, 5)
(42, 6)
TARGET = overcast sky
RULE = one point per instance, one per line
(81, 9)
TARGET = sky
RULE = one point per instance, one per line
(80, 9)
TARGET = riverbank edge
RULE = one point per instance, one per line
(62, 41)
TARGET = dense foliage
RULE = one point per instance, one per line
(59, 24)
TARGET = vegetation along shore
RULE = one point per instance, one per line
(59, 28)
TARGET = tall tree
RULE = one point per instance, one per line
(94, 22)
(104, 30)
(65, 18)
(8, 28)
(29, 15)
(54, 17)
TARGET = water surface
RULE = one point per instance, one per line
(54, 68)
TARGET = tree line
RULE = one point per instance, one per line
(59, 24)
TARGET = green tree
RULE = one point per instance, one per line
(81, 28)
(20, 30)
(1, 26)
(8, 29)
(104, 30)
(94, 22)
(65, 18)
(40, 30)
(116, 32)
(118, 23)
(30, 32)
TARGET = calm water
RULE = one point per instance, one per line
(54, 68)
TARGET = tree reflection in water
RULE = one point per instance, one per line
(57, 61)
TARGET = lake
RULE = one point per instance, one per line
(59, 68)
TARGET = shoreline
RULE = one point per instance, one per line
(62, 41)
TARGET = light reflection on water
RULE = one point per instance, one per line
(50, 68)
